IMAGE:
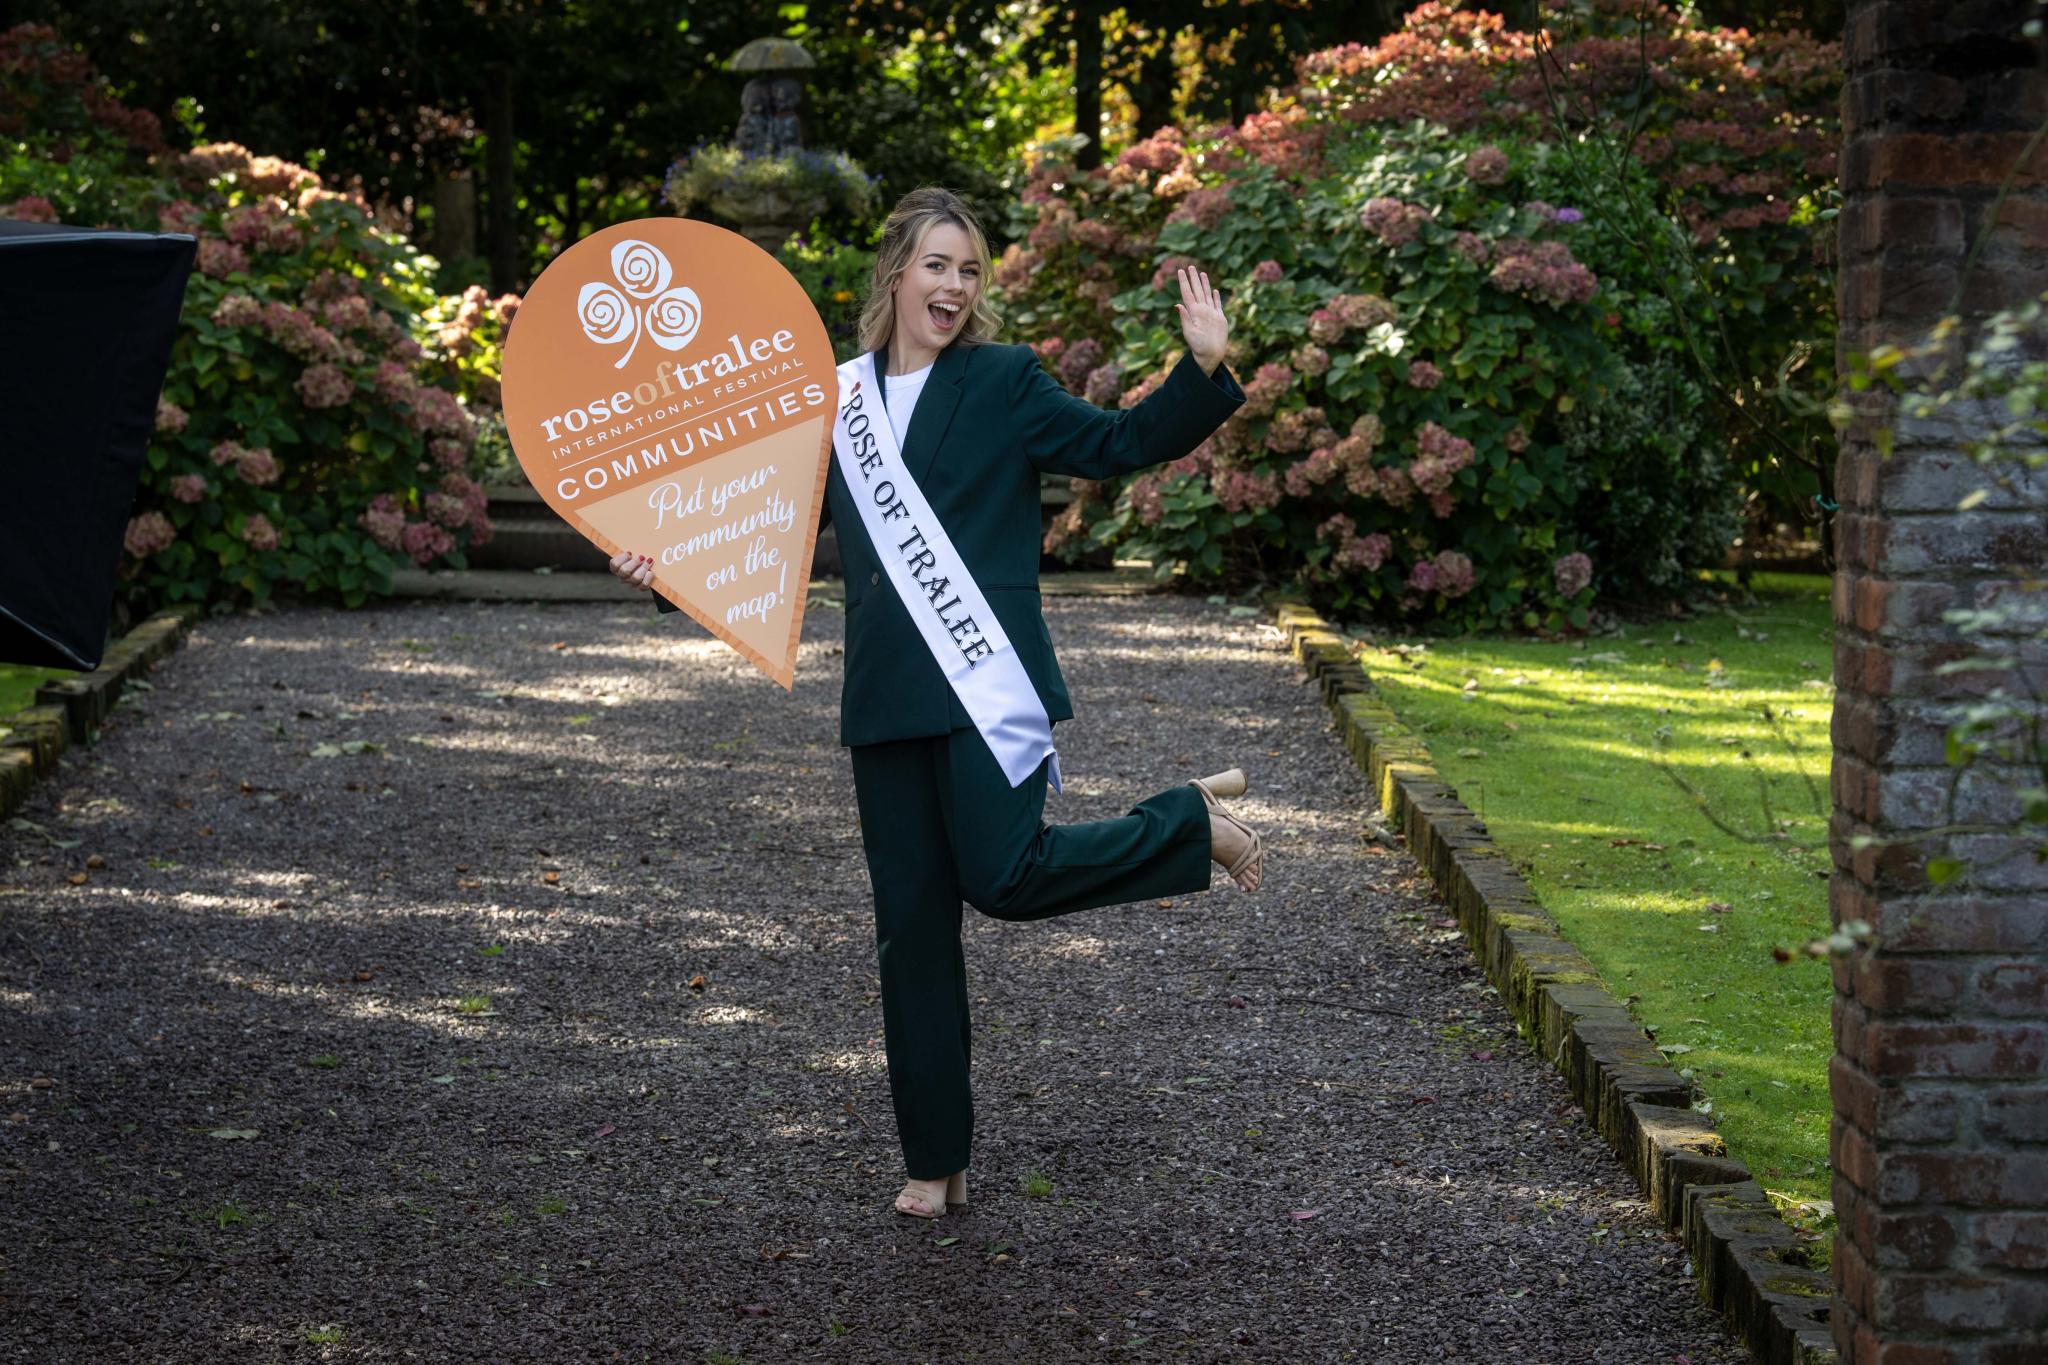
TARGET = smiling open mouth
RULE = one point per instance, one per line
(943, 315)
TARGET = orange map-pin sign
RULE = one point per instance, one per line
(669, 390)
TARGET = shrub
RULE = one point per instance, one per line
(834, 271)
(1739, 132)
(320, 421)
(1437, 385)
(1468, 380)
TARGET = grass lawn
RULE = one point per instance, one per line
(1558, 747)
(18, 684)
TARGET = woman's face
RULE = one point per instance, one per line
(938, 288)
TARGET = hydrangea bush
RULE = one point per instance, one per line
(320, 421)
(1467, 393)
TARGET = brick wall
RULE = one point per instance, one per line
(1940, 1076)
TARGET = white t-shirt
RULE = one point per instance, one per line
(899, 394)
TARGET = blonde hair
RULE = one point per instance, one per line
(915, 214)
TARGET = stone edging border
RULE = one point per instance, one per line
(1749, 1264)
(71, 710)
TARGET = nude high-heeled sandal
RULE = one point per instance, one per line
(917, 1204)
(1252, 862)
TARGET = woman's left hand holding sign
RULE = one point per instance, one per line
(1202, 323)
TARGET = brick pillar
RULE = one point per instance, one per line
(1940, 1136)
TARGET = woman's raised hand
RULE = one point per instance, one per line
(1202, 322)
(637, 570)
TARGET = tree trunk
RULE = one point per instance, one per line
(1152, 92)
(498, 174)
(1088, 82)
(454, 216)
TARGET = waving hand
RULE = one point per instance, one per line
(1202, 322)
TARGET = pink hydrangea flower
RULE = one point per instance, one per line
(258, 533)
(188, 487)
(1325, 328)
(1392, 221)
(1294, 429)
(1268, 272)
(1574, 574)
(347, 315)
(1105, 383)
(1472, 247)
(1361, 311)
(1541, 270)
(1439, 457)
(227, 452)
(385, 522)
(1453, 574)
(426, 542)
(148, 533)
(237, 310)
(1240, 490)
(1487, 166)
(170, 418)
(30, 208)
(180, 215)
(1304, 476)
(219, 259)
(1423, 375)
(1517, 440)
(1265, 390)
(257, 466)
(1080, 359)
(1310, 359)
(324, 386)
(1205, 208)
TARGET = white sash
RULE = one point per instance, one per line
(965, 638)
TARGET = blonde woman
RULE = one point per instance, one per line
(939, 424)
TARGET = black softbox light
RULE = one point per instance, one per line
(86, 322)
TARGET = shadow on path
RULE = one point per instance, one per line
(497, 982)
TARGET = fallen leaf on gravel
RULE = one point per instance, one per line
(551, 878)
(1235, 1002)
(78, 879)
(750, 1310)
(1482, 1056)
(606, 1131)
(559, 644)
(95, 863)
(946, 1241)
(40, 1083)
(363, 976)
(231, 1133)
(697, 982)
(1300, 1214)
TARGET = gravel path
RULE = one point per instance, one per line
(497, 982)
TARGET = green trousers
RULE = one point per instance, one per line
(942, 825)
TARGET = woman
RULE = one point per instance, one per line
(974, 424)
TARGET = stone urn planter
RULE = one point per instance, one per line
(768, 218)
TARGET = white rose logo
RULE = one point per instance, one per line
(609, 317)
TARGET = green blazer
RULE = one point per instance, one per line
(989, 421)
